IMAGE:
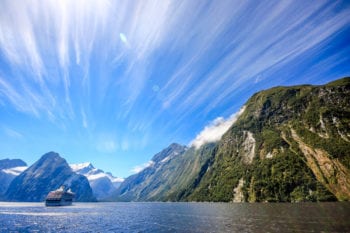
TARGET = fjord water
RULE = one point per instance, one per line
(175, 217)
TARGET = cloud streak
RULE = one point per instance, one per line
(145, 69)
(139, 168)
(13, 133)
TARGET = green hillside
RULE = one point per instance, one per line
(290, 144)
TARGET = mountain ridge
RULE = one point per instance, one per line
(277, 150)
(103, 184)
(47, 174)
(273, 118)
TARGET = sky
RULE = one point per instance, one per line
(114, 82)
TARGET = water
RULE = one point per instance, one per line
(175, 217)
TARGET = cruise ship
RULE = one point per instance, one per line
(60, 197)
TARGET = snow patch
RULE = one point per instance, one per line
(96, 176)
(141, 167)
(116, 179)
(15, 171)
(165, 159)
(91, 173)
(79, 166)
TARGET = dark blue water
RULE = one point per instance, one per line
(175, 217)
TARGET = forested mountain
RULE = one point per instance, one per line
(290, 144)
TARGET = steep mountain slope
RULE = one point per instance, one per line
(47, 174)
(170, 172)
(290, 144)
(9, 169)
(103, 184)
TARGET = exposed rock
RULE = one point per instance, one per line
(248, 147)
(47, 174)
(259, 158)
(238, 192)
(334, 175)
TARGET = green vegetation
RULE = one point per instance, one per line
(319, 114)
(296, 136)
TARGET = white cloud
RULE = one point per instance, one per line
(13, 133)
(124, 39)
(106, 145)
(141, 167)
(214, 131)
(124, 145)
(85, 122)
(19, 101)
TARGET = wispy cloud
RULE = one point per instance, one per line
(20, 102)
(12, 133)
(214, 131)
(107, 146)
(141, 167)
(272, 35)
(84, 119)
(151, 66)
(106, 142)
(124, 39)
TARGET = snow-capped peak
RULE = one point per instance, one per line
(102, 183)
(80, 166)
(92, 173)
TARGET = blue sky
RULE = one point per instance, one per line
(114, 82)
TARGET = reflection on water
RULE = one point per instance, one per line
(175, 217)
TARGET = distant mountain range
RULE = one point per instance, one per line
(21, 183)
(290, 144)
(103, 184)
(156, 181)
(47, 174)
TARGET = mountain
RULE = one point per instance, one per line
(165, 174)
(103, 184)
(290, 144)
(9, 169)
(47, 174)
(10, 163)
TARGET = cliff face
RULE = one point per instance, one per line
(290, 144)
(47, 174)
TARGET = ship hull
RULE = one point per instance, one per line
(59, 198)
(58, 202)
